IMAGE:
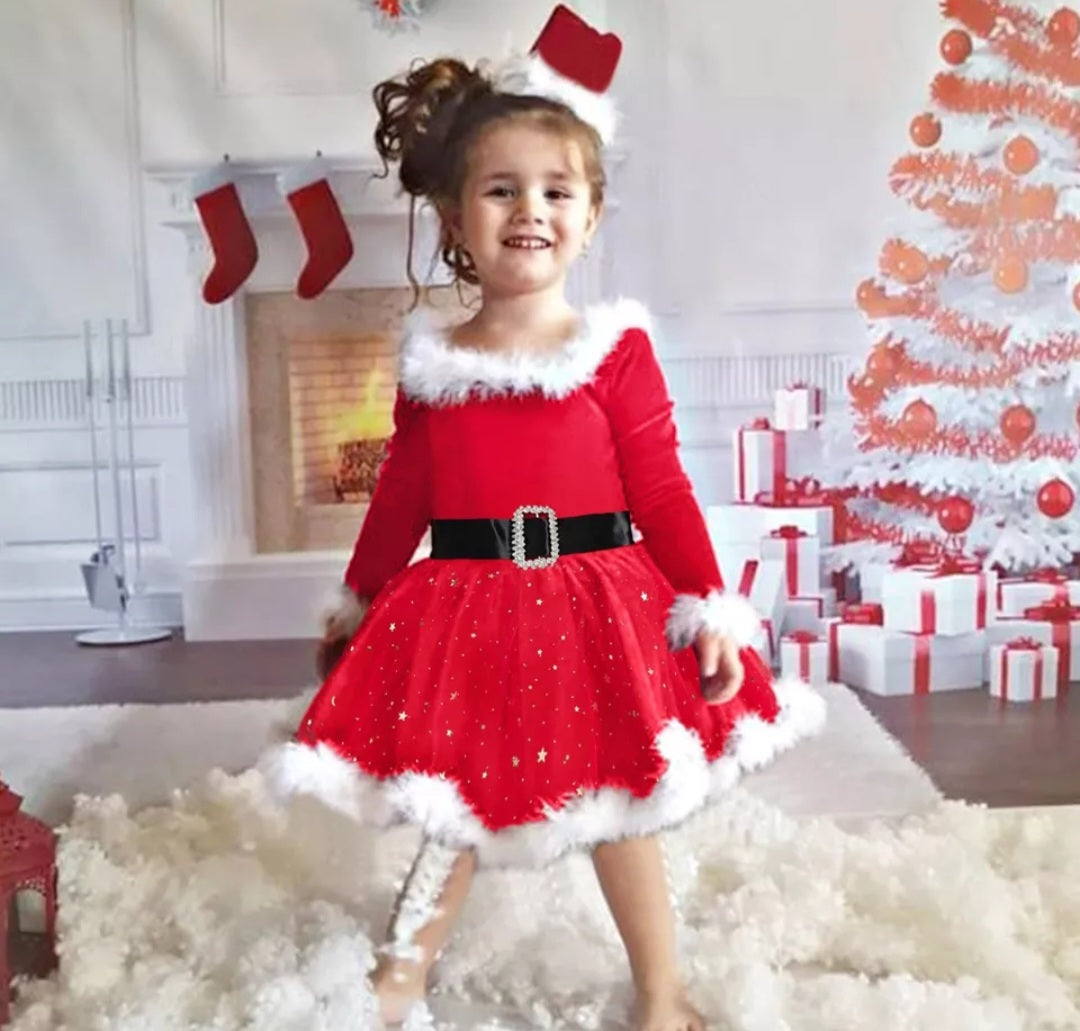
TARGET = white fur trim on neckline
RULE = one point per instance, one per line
(436, 806)
(436, 372)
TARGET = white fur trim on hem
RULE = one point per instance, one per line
(529, 75)
(436, 806)
(729, 614)
(436, 372)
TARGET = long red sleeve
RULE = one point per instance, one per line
(400, 507)
(662, 503)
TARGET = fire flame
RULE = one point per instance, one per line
(373, 420)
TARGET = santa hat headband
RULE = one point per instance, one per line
(571, 63)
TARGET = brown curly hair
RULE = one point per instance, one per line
(430, 117)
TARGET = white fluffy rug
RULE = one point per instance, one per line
(217, 911)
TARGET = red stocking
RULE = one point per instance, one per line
(325, 233)
(228, 231)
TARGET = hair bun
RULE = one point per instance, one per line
(416, 117)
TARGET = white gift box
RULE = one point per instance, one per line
(808, 613)
(872, 580)
(800, 552)
(918, 601)
(1064, 636)
(1023, 674)
(886, 662)
(1014, 595)
(749, 522)
(798, 407)
(806, 660)
(764, 458)
(762, 582)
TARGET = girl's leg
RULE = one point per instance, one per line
(423, 918)
(634, 881)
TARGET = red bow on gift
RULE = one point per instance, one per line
(1023, 644)
(951, 565)
(801, 637)
(788, 531)
(919, 553)
(865, 612)
(1047, 576)
(760, 423)
(1056, 611)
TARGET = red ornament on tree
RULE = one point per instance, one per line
(1076, 296)
(1055, 499)
(1010, 274)
(1063, 28)
(919, 420)
(925, 130)
(905, 262)
(1021, 155)
(880, 366)
(864, 393)
(1017, 424)
(955, 46)
(955, 514)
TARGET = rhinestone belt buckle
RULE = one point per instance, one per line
(517, 537)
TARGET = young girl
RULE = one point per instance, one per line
(543, 682)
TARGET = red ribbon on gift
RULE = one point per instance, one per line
(919, 553)
(1051, 578)
(866, 613)
(1060, 615)
(955, 565)
(790, 536)
(922, 663)
(1022, 644)
(803, 638)
(834, 651)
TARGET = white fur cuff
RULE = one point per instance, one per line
(345, 618)
(729, 614)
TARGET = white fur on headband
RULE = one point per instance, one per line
(529, 75)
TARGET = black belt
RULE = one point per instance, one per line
(533, 538)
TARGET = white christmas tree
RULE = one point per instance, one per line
(965, 416)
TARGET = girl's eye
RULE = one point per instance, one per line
(500, 191)
(558, 195)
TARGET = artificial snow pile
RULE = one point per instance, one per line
(222, 911)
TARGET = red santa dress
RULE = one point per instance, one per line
(526, 711)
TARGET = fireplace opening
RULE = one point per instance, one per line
(322, 378)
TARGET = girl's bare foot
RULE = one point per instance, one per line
(398, 986)
(666, 1011)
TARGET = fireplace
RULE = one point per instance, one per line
(289, 401)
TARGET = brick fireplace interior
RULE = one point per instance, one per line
(322, 376)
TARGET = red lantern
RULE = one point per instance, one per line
(1063, 28)
(1055, 499)
(955, 46)
(955, 514)
(1017, 424)
(27, 863)
(919, 420)
(925, 130)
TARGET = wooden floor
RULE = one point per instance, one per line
(973, 747)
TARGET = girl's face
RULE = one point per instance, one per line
(526, 208)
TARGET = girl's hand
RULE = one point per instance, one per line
(720, 665)
(339, 625)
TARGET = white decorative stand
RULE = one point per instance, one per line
(106, 575)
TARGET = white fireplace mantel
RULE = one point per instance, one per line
(230, 591)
